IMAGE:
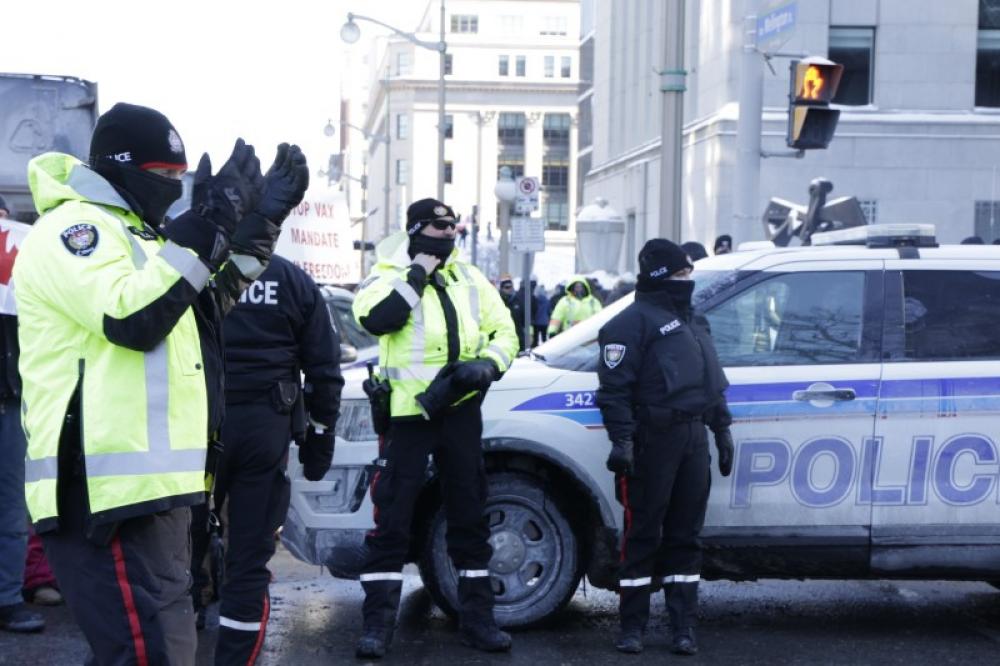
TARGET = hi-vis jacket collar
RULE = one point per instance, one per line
(55, 178)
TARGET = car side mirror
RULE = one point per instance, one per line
(348, 353)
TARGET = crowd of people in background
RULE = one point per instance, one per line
(569, 303)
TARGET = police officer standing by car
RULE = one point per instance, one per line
(661, 383)
(444, 337)
(279, 329)
(121, 363)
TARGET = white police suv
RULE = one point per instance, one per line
(865, 376)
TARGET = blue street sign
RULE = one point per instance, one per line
(776, 25)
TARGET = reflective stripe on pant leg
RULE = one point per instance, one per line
(381, 575)
(623, 488)
(682, 578)
(138, 640)
(263, 630)
(635, 582)
(474, 573)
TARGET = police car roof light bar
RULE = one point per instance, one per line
(880, 235)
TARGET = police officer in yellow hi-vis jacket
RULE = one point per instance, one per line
(444, 337)
(122, 368)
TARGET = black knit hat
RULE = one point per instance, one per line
(660, 258)
(138, 136)
(724, 243)
(423, 212)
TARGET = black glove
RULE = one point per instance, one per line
(317, 454)
(225, 197)
(253, 244)
(475, 375)
(621, 460)
(724, 444)
(209, 241)
(285, 184)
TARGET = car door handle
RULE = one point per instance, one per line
(839, 395)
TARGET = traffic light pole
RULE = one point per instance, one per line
(748, 139)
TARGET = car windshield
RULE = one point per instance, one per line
(343, 320)
(576, 349)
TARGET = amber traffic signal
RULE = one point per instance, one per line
(811, 121)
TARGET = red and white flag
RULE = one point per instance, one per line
(12, 234)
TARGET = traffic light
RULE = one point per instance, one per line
(811, 121)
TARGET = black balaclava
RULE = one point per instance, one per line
(660, 258)
(128, 140)
(419, 215)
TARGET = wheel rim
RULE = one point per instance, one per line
(527, 552)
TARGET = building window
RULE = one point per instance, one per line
(555, 187)
(449, 126)
(555, 176)
(447, 63)
(554, 25)
(402, 172)
(854, 49)
(870, 208)
(987, 223)
(550, 66)
(511, 25)
(447, 172)
(404, 63)
(988, 54)
(520, 66)
(555, 134)
(503, 65)
(565, 65)
(402, 126)
(464, 23)
(510, 137)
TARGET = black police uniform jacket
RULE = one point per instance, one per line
(280, 328)
(658, 364)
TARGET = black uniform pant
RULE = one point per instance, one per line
(130, 596)
(454, 439)
(665, 501)
(253, 490)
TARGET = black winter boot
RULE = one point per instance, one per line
(484, 634)
(374, 643)
(684, 642)
(379, 609)
(629, 641)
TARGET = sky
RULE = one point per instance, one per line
(219, 69)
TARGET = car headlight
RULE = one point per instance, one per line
(355, 421)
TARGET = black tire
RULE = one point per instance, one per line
(536, 560)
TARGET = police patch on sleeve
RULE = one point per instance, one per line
(80, 239)
(613, 355)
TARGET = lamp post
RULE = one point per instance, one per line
(329, 130)
(505, 191)
(351, 33)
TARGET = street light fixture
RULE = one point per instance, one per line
(350, 33)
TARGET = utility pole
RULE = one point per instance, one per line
(671, 136)
(441, 129)
(388, 161)
(748, 128)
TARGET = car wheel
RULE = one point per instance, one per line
(535, 567)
